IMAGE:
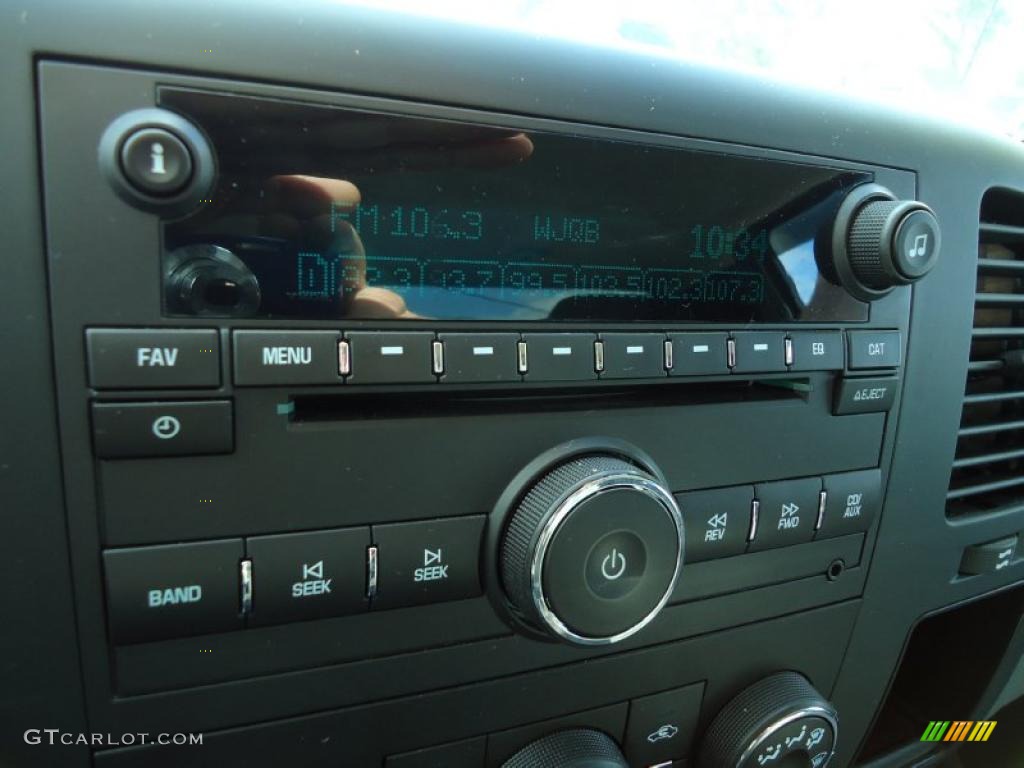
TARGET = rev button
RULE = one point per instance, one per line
(308, 575)
(717, 522)
(427, 561)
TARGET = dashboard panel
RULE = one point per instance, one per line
(377, 407)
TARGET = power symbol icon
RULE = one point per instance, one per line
(613, 565)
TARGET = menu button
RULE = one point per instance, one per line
(286, 357)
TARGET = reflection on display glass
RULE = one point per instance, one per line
(323, 212)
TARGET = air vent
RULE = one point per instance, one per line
(988, 472)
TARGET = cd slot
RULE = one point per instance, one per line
(362, 406)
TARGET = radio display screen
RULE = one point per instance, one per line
(322, 212)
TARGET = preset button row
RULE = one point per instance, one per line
(749, 518)
(158, 592)
(172, 358)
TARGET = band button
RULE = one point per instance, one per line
(173, 590)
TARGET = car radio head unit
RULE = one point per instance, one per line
(323, 212)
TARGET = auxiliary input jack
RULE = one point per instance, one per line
(835, 570)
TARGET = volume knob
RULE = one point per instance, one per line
(592, 550)
(880, 242)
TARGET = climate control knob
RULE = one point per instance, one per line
(780, 720)
(880, 242)
(592, 550)
(576, 748)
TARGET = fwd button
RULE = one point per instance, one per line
(169, 591)
(427, 561)
(311, 575)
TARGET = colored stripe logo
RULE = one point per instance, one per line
(958, 730)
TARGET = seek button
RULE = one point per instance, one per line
(427, 561)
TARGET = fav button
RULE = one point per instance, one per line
(308, 575)
(717, 522)
(787, 512)
(174, 590)
(157, 358)
(427, 561)
(286, 357)
(133, 430)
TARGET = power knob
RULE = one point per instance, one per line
(780, 721)
(880, 242)
(592, 549)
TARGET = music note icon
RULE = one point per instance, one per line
(918, 248)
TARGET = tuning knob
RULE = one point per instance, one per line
(880, 242)
(592, 550)
(780, 720)
(576, 748)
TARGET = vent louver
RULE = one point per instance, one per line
(988, 472)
